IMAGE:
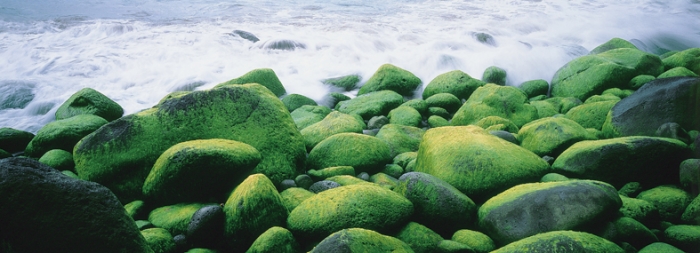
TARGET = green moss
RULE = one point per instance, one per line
(534, 88)
(294, 101)
(307, 115)
(454, 82)
(63, 134)
(58, 159)
(677, 71)
(591, 115)
(404, 115)
(444, 100)
(275, 239)
(494, 75)
(618, 92)
(449, 246)
(419, 104)
(495, 120)
(691, 215)
(544, 109)
(670, 200)
(13, 140)
(135, 209)
(400, 139)
(334, 98)
(660, 247)
(393, 170)
(371, 104)
(89, 101)
(492, 100)
(640, 80)
(364, 153)
(640, 210)
(600, 98)
(689, 59)
(390, 77)
(613, 43)
(438, 111)
(564, 104)
(479, 242)
(70, 174)
(553, 177)
(265, 77)
(292, 197)
(437, 121)
(348, 82)
(348, 180)
(551, 136)
(201, 250)
(361, 240)
(324, 173)
(384, 180)
(561, 241)
(159, 240)
(174, 218)
(685, 237)
(335, 123)
(420, 238)
(404, 158)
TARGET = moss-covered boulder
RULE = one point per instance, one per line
(353, 206)
(628, 230)
(275, 240)
(454, 82)
(345, 180)
(362, 152)
(534, 208)
(265, 77)
(479, 242)
(600, 98)
(46, 211)
(199, 171)
(592, 74)
(551, 136)
(361, 240)
(390, 77)
(656, 103)
(684, 237)
(253, 207)
(292, 197)
(689, 59)
(444, 100)
(591, 115)
(640, 210)
(334, 123)
(330, 172)
(613, 43)
(436, 203)
(294, 101)
(544, 109)
(562, 242)
(564, 104)
(439, 111)
(159, 240)
(670, 201)
(648, 160)
(477, 163)
(419, 104)
(492, 122)
(347, 83)
(175, 218)
(63, 134)
(58, 159)
(437, 121)
(406, 116)
(371, 104)
(492, 100)
(691, 215)
(13, 140)
(678, 72)
(534, 88)
(89, 101)
(121, 154)
(400, 139)
(639, 81)
(420, 238)
(494, 75)
(334, 98)
(660, 247)
(307, 115)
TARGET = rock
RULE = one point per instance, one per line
(334, 123)
(303, 181)
(673, 130)
(16, 94)
(390, 77)
(691, 215)
(159, 240)
(648, 160)
(678, 72)
(393, 170)
(551, 136)
(437, 121)
(684, 237)
(617, 92)
(591, 115)
(630, 231)
(89, 101)
(689, 59)
(322, 186)
(438, 111)
(294, 101)
(63, 134)
(613, 43)
(334, 98)
(630, 189)
(307, 115)
(592, 74)
(436, 203)
(292, 197)
(58, 159)
(265, 77)
(404, 115)
(282, 44)
(660, 247)
(120, 155)
(330, 172)
(275, 240)
(419, 104)
(245, 35)
(658, 102)
(474, 161)
(479, 242)
(360, 240)
(175, 218)
(348, 82)
(530, 209)
(640, 210)
(371, 104)
(492, 100)
(400, 139)
(544, 109)
(199, 170)
(670, 201)
(600, 98)
(364, 153)
(345, 180)
(377, 122)
(384, 180)
(444, 100)
(535, 88)
(420, 238)
(639, 81)
(136, 210)
(206, 227)
(353, 206)
(506, 136)
(553, 177)
(501, 123)
(13, 140)
(562, 242)
(201, 250)
(564, 104)
(144, 224)
(494, 75)
(253, 207)
(364, 176)
(404, 158)
(45, 205)
(454, 82)
(449, 246)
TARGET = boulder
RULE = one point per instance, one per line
(689, 59)
(420, 238)
(613, 43)
(677, 72)
(628, 230)
(175, 218)
(669, 200)
(362, 152)
(640, 210)
(551, 136)
(347, 83)
(562, 242)
(265, 77)
(63, 134)
(454, 82)
(400, 139)
(502, 124)
(58, 159)
(444, 100)
(13, 140)
(591, 115)
(42, 209)
(494, 75)
(330, 172)
(479, 242)
(691, 215)
(684, 237)
(535, 88)
(390, 77)
(121, 154)
(405, 115)
(307, 115)
(292, 197)
(564, 104)
(159, 240)
(294, 101)
(360, 240)
(660, 247)
(334, 123)
(371, 104)
(419, 104)
(492, 100)
(534, 208)
(206, 227)
(437, 121)
(89, 101)
(639, 81)
(275, 239)
(544, 109)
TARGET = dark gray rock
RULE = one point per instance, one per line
(15, 94)
(322, 186)
(245, 35)
(13, 140)
(206, 228)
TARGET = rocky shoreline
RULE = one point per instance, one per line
(604, 158)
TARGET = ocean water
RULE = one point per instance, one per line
(138, 51)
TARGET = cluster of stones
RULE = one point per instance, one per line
(604, 159)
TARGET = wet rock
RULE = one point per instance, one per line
(245, 35)
(371, 104)
(562, 242)
(390, 77)
(454, 82)
(360, 240)
(63, 134)
(294, 101)
(89, 101)
(364, 153)
(492, 100)
(494, 75)
(348, 82)
(13, 140)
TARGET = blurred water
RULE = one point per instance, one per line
(137, 51)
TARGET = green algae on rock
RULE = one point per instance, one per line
(390, 77)
(691, 215)
(684, 237)
(669, 200)
(444, 100)
(89, 101)
(361, 240)
(678, 72)
(504, 124)
(324, 173)
(492, 100)
(420, 238)
(292, 197)
(276, 239)
(591, 115)
(689, 59)
(63, 134)
(551, 136)
(561, 242)
(535, 88)
(13, 140)
(159, 240)
(371, 104)
(400, 139)
(58, 159)
(494, 75)
(405, 115)
(348, 82)
(613, 43)
(174, 218)
(437, 121)
(479, 242)
(265, 77)
(660, 247)
(334, 123)
(544, 109)
(294, 101)
(628, 230)
(640, 210)
(362, 152)
(454, 82)
(307, 115)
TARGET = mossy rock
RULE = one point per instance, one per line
(353, 206)
(553, 177)
(477, 163)
(684, 237)
(377, 122)
(346, 180)
(494, 75)
(404, 158)
(564, 104)
(404, 115)
(689, 59)
(63, 134)
(175, 218)
(628, 230)
(159, 240)
(600, 98)
(334, 123)
(362, 152)
(393, 170)
(591, 115)
(13, 140)
(439, 111)
(640, 210)
(639, 81)
(195, 171)
(613, 43)
(390, 77)
(618, 92)
(307, 115)
(4, 154)
(444, 100)
(292, 197)
(420, 238)
(670, 201)
(437, 204)
(689, 175)
(324, 173)
(454, 82)
(334, 98)
(437, 121)
(495, 120)
(58, 159)
(478, 241)
(265, 77)
(660, 247)
(136, 209)
(592, 74)
(275, 240)
(400, 139)
(551, 136)
(371, 104)
(678, 72)
(492, 100)
(691, 215)
(253, 207)
(562, 242)
(89, 101)
(534, 88)
(544, 109)
(386, 181)
(294, 101)
(648, 160)
(419, 104)
(347, 83)
(360, 240)
(529, 209)
(450, 246)
(201, 250)
(122, 153)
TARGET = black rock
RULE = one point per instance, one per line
(304, 181)
(286, 184)
(13, 140)
(673, 130)
(206, 228)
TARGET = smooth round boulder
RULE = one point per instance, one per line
(691, 215)
(159, 240)
(58, 159)
(401, 139)
(669, 199)
(89, 101)
(551, 136)
(390, 77)
(334, 123)
(684, 237)
(406, 116)
(294, 101)
(275, 239)
(535, 88)
(360, 240)
(454, 82)
(689, 59)
(206, 227)
(591, 115)
(175, 218)
(307, 115)
(493, 100)
(63, 134)
(420, 238)
(478, 241)
(362, 152)
(444, 100)
(371, 104)
(348, 82)
(265, 77)
(494, 75)
(13, 140)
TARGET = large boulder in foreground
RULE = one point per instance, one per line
(507, 102)
(476, 162)
(656, 103)
(360, 240)
(363, 152)
(121, 154)
(89, 101)
(551, 136)
(562, 242)
(46, 211)
(390, 77)
(648, 160)
(530, 209)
